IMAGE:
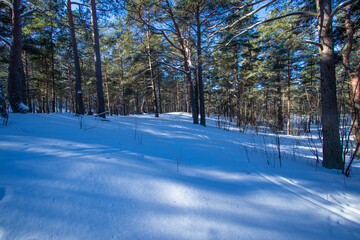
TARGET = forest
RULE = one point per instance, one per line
(283, 64)
(180, 119)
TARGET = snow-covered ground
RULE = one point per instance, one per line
(138, 177)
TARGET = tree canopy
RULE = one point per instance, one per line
(283, 64)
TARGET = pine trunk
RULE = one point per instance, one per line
(159, 91)
(191, 92)
(185, 51)
(78, 91)
(53, 95)
(16, 80)
(354, 77)
(107, 88)
(288, 93)
(178, 106)
(98, 73)
(199, 67)
(332, 152)
(152, 80)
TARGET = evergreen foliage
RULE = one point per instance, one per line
(196, 56)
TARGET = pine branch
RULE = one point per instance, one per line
(156, 31)
(271, 20)
(249, 14)
(30, 12)
(7, 3)
(314, 43)
(348, 67)
(250, 5)
(341, 6)
(337, 9)
(5, 41)
(169, 65)
(171, 43)
(93, 98)
(80, 4)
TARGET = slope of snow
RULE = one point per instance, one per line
(138, 177)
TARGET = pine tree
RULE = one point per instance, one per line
(351, 63)
(332, 151)
(98, 72)
(78, 87)
(16, 81)
(3, 110)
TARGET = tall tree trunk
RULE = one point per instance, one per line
(31, 109)
(184, 51)
(107, 88)
(187, 94)
(121, 79)
(47, 77)
(191, 92)
(332, 151)
(152, 79)
(159, 90)
(125, 102)
(278, 108)
(53, 95)
(178, 107)
(199, 67)
(16, 80)
(78, 91)
(196, 90)
(238, 86)
(72, 107)
(288, 93)
(3, 108)
(98, 73)
(192, 85)
(354, 77)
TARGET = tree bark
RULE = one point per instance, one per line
(288, 93)
(16, 80)
(53, 95)
(121, 79)
(191, 92)
(196, 92)
(184, 50)
(354, 77)
(78, 91)
(70, 94)
(178, 107)
(279, 102)
(152, 80)
(29, 100)
(107, 88)
(98, 73)
(238, 87)
(332, 151)
(199, 67)
(159, 90)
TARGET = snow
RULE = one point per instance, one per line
(140, 177)
(23, 107)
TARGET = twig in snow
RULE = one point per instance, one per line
(247, 155)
